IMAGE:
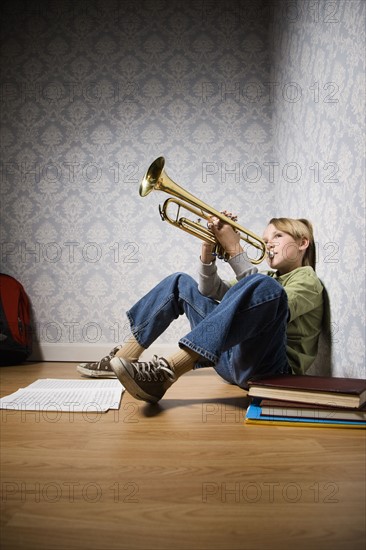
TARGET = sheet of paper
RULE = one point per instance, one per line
(52, 394)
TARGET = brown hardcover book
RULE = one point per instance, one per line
(322, 390)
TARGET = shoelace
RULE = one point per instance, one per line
(109, 356)
(156, 370)
(98, 365)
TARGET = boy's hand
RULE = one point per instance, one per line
(207, 255)
(225, 234)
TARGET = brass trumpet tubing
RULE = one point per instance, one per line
(193, 228)
(201, 232)
(183, 222)
(157, 179)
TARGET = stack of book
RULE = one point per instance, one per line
(318, 401)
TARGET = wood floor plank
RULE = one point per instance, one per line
(183, 474)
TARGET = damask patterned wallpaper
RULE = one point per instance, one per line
(256, 106)
(318, 67)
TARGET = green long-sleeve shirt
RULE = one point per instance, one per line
(305, 300)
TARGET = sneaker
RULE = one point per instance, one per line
(147, 381)
(100, 369)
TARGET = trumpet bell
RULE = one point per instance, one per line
(152, 177)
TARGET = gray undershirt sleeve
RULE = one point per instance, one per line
(210, 283)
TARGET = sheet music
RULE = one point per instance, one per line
(51, 394)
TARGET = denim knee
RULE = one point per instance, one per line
(180, 278)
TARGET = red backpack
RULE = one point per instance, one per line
(15, 330)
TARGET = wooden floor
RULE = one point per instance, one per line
(184, 474)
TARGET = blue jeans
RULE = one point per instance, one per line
(242, 337)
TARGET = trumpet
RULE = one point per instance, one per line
(157, 179)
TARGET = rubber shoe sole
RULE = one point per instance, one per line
(92, 373)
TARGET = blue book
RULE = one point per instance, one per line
(254, 415)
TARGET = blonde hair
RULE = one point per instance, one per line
(298, 229)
